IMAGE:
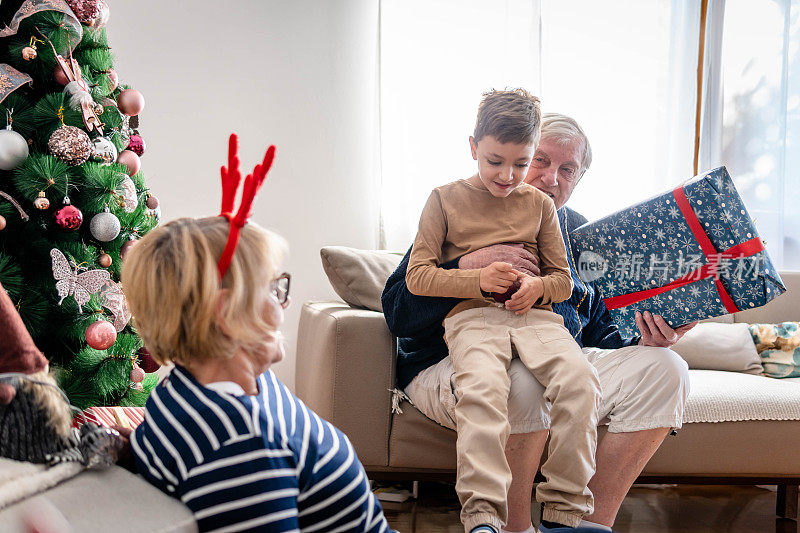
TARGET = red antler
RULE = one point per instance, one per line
(230, 183)
(230, 177)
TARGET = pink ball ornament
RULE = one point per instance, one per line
(136, 144)
(60, 77)
(137, 374)
(69, 217)
(113, 79)
(130, 102)
(130, 160)
(127, 247)
(101, 335)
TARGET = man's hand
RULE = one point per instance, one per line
(497, 277)
(513, 253)
(656, 332)
(530, 290)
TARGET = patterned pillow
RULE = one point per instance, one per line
(779, 348)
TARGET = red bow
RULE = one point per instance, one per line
(230, 184)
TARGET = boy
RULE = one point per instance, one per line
(492, 207)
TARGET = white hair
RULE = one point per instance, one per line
(564, 130)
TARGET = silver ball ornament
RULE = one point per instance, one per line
(105, 226)
(103, 151)
(41, 203)
(13, 149)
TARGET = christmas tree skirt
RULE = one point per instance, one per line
(20, 480)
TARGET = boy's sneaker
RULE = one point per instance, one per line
(483, 528)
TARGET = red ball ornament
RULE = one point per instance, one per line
(101, 335)
(505, 296)
(69, 217)
(130, 102)
(60, 77)
(113, 79)
(147, 362)
(130, 160)
(136, 144)
(3, 223)
(127, 247)
(152, 202)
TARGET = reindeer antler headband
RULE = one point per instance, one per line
(230, 184)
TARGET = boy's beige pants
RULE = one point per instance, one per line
(482, 343)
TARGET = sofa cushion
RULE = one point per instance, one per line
(717, 346)
(358, 276)
(779, 348)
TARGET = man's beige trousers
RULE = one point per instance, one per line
(482, 343)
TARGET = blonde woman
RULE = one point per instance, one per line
(221, 432)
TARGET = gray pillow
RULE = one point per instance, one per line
(718, 346)
(358, 276)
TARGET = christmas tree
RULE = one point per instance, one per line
(73, 199)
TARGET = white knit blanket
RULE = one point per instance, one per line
(19, 480)
(717, 396)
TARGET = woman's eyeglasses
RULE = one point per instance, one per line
(280, 288)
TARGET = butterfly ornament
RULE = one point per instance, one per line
(113, 299)
(71, 282)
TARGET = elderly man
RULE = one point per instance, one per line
(644, 383)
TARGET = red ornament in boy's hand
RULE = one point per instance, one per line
(505, 296)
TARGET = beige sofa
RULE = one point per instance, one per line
(346, 371)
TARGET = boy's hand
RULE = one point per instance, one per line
(530, 290)
(498, 277)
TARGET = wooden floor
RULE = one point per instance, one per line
(648, 508)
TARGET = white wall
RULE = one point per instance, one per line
(300, 74)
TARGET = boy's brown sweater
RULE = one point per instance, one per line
(460, 218)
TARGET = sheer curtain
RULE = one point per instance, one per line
(625, 70)
(751, 113)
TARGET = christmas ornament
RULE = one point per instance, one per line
(101, 335)
(130, 102)
(130, 199)
(148, 364)
(79, 95)
(13, 148)
(104, 226)
(93, 13)
(102, 18)
(103, 150)
(29, 53)
(60, 76)
(152, 202)
(41, 203)
(136, 144)
(98, 109)
(137, 374)
(72, 72)
(70, 144)
(113, 299)
(127, 247)
(3, 223)
(130, 160)
(113, 79)
(69, 216)
(69, 282)
(104, 260)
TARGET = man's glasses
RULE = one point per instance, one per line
(280, 288)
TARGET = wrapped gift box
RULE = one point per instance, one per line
(688, 254)
(128, 417)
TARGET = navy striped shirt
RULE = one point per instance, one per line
(265, 462)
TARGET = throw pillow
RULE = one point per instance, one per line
(358, 276)
(779, 348)
(719, 346)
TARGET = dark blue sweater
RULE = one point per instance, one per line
(417, 320)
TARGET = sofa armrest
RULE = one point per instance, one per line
(345, 370)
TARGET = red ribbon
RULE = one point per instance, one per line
(710, 269)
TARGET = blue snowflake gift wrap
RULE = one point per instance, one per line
(688, 254)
